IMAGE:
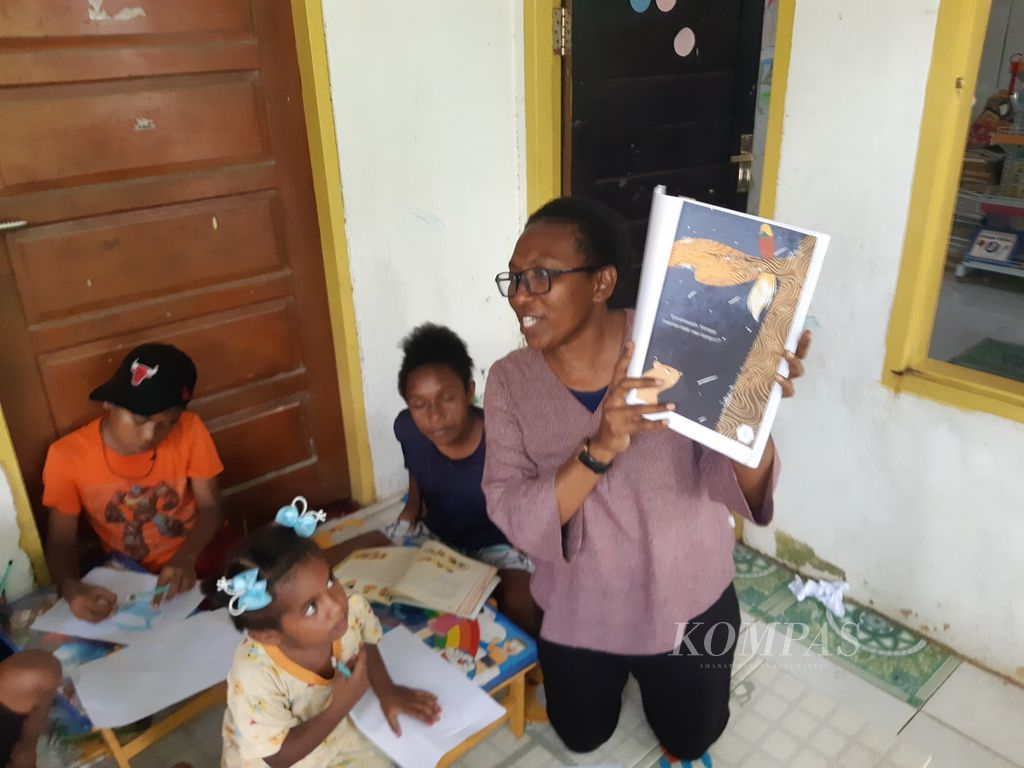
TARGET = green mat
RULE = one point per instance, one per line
(999, 358)
(892, 657)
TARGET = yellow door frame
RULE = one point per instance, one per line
(543, 91)
(323, 147)
(28, 534)
(952, 78)
(311, 47)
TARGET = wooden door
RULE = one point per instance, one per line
(157, 151)
(653, 96)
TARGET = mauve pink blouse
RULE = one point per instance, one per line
(650, 548)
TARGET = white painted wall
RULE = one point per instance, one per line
(918, 502)
(428, 102)
(20, 580)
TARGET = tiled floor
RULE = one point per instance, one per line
(984, 708)
(898, 701)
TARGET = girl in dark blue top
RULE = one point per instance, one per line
(441, 433)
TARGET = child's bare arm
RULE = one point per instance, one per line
(304, 738)
(398, 700)
(380, 680)
(413, 509)
(179, 574)
(87, 602)
(209, 516)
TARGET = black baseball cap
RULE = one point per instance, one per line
(151, 378)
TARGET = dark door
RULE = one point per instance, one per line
(157, 152)
(658, 92)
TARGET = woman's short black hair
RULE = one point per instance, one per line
(273, 550)
(603, 238)
(431, 344)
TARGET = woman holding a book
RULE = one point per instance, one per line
(627, 524)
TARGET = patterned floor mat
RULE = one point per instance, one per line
(999, 358)
(885, 654)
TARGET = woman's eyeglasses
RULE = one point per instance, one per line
(536, 280)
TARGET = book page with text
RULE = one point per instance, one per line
(444, 579)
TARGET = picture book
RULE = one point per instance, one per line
(722, 296)
(996, 246)
(430, 576)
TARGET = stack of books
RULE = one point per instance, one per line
(982, 169)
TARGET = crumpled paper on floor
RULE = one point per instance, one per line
(828, 593)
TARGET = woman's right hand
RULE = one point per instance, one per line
(620, 420)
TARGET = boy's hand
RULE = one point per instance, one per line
(400, 700)
(179, 575)
(88, 602)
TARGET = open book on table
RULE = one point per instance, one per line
(431, 576)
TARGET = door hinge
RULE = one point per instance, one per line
(561, 31)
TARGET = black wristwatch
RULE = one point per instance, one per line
(587, 459)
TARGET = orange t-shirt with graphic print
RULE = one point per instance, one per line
(140, 505)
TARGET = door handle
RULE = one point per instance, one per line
(6, 226)
(743, 161)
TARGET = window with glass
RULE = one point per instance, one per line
(979, 320)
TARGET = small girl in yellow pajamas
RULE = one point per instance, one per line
(309, 655)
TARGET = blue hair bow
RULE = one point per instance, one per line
(248, 592)
(302, 521)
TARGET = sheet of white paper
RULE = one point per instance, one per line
(141, 679)
(465, 708)
(132, 622)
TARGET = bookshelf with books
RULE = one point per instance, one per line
(988, 222)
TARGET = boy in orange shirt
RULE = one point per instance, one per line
(145, 474)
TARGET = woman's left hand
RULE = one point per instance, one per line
(409, 701)
(796, 365)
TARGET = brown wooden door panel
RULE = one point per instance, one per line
(90, 264)
(252, 394)
(74, 65)
(167, 188)
(196, 183)
(142, 318)
(118, 126)
(76, 18)
(68, 374)
(248, 502)
(264, 440)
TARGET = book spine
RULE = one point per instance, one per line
(661, 231)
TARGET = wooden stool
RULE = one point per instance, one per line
(535, 711)
(123, 753)
(514, 702)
